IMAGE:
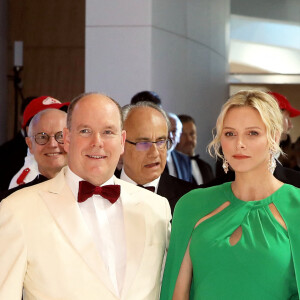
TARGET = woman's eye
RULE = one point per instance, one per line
(253, 133)
(229, 133)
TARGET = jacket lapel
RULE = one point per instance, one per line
(135, 231)
(66, 213)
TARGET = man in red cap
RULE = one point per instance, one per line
(30, 171)
(288, 112)
(45, 143)
(13, 153)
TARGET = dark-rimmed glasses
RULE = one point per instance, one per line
(42, 138)
(144, 146)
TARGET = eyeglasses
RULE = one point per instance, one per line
(43, 138)
(144, 146)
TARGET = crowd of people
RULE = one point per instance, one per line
(87, 213)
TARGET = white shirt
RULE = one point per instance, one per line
(106, 224)
(154, 183)
(196, 172)
(29, 163)
(171, 165)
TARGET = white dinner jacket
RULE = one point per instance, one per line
(46, 247)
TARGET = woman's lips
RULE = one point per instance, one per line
(240, 156)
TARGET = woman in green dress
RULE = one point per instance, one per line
(241, 239)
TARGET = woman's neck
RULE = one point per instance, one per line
(252, 187)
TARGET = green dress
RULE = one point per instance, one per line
(263, 265)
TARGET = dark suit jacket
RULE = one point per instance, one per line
(283, 174)
(205, 169)
(170, 187)
(12, 155)
(173, 188)
(182, 165)
(36, 180)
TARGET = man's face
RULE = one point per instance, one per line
(50, 157)
(188, 139)
(175, 132)
(145, 124)
(95, 140)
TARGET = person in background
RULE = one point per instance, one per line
(296, 154)
(178, 164)
(46, 144)
(149, 96)
(85, 234)
(30, 171)
(14, 151)
(288, 112)
(222, 236)
(201, 170)
(145, 153)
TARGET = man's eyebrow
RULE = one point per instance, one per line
(110, 127)
(104, 127)
(82, 126)
(146, 139)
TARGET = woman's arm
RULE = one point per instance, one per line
(184, 279)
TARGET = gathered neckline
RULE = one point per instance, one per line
(254, 203)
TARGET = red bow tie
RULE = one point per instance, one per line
(149, 188)
(109, 192)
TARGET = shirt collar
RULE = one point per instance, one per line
(125, 177)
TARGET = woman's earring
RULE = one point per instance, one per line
(225, 165)
(272, 162)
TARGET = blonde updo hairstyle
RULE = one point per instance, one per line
(268, 109)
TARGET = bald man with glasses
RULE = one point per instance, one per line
(145, 154)
(45, 142)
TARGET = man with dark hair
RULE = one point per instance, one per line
(146, 96)
(201, 170)
(85, 234)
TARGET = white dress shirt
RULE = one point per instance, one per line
(171, 165)
(154, 183)
(196, 172)
(105, 222)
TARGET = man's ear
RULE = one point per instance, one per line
(29, 144)
(66, 134)
(123, 138)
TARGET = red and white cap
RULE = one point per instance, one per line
(284, 104)
(39, 104)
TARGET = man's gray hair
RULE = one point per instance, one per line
(127, 109)
(178, 122)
